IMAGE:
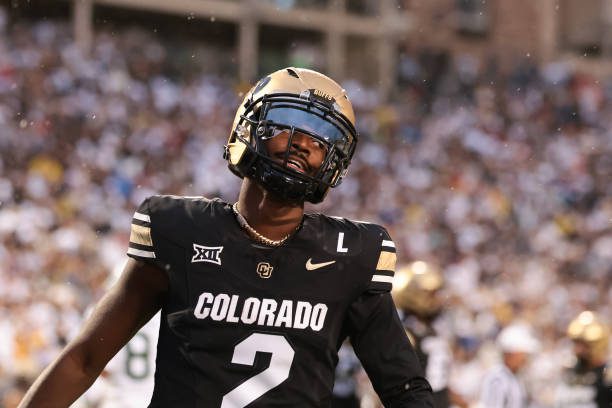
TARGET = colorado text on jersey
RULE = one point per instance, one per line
(263, 312)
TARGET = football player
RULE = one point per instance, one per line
(588, 382)
(416, 292)
(256, 297)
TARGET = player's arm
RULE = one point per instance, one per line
(129, 304)
(378, 336)
(380, 342)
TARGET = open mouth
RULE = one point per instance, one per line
(295, 162)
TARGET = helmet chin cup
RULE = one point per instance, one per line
(285, 184)
(281, 184)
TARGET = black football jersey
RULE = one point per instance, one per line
(585, 388)
(249, 325)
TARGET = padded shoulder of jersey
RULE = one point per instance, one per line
(366, 233)
(165, 217)
(368, 244)
(166, 208)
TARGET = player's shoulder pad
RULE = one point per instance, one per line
(172, 204)
(366, 230)
(162, 216)
(370, 244)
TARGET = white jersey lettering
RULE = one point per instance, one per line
(340, 247)
(200, 311)
(284, 314)
(266, 314)
(220, 306)
(231, 314)
(319, 311)
(302, 315)
(263, 312)
(250, 310)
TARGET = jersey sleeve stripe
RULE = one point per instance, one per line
(385, 273)
(141, 223)
(386, 261)
(142, 217)
(141, 235)
(389, 244)
(141, 253)
(382, 278)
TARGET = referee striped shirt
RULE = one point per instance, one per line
(502, 389)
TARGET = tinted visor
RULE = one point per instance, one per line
(310, 122)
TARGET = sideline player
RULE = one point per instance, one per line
(256, 297)
(587, 383)
(416, 292)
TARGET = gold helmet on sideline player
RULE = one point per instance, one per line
(590, 329)
(416, 287)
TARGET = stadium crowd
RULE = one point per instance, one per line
(501, 177)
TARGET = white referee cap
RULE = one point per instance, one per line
(517, 338)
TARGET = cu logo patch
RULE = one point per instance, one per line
(264, 270)
(207, 254)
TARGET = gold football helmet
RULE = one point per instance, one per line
(294, 100)
(416, 287)
(590, 329)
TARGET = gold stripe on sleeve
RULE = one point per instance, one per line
(386, 261)
(141, 235)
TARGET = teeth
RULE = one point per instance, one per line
(294, 163)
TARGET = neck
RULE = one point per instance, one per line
(269, 216)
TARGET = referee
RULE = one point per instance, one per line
(501, 385)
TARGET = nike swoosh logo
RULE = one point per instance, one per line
(312, 266)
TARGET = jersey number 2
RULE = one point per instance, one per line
(276, 373)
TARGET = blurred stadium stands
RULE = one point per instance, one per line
(500, 173)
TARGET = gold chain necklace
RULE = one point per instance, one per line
(256, 235)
